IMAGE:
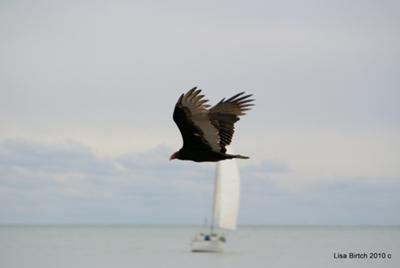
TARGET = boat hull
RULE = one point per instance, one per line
(208, 243)
(207, 246)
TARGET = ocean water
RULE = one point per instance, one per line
(168, 246)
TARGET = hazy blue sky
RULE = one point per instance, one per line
(87, 90)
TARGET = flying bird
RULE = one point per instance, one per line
(207, 131)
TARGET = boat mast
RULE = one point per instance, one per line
(215, 201)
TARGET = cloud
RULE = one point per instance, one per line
(69, 183)
(267, 166)
(69, 157)
(350, 202)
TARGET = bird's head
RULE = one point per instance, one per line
(174, 156)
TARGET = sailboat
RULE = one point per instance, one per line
(225, 208)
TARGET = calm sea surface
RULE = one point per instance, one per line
(168, 246)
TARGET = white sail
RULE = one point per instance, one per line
(227, 194)
(225, 207)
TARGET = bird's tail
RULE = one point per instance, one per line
(240, 156)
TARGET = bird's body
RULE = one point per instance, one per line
(206, 132)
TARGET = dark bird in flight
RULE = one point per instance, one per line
(206, 132)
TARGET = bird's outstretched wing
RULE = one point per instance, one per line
(192, 118)
(225, 113)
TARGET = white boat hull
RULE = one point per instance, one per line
(208, 246)
(208, 243)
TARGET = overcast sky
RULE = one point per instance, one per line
(87, 90)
